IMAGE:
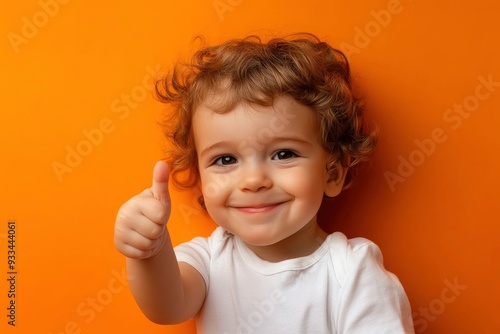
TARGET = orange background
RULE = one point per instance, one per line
(69, 69)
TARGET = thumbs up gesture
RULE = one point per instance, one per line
(140, 231)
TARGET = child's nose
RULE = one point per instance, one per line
(254, 177)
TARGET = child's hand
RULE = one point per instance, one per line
(140, 231)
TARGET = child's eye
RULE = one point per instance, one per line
(224, 160)
(284, 154)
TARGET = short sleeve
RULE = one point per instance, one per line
(372, 300)
(199, 251)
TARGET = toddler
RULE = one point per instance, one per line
(266, 130)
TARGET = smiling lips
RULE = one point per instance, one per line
(261, 208)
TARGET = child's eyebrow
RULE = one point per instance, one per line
(218, 144)
(298, 140)
(260, 143)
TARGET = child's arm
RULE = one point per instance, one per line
(167, 292)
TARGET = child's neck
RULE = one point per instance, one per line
(303, 243)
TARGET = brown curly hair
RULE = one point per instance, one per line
(250, 70)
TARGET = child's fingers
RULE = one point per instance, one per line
(147, 228)
(134, 253)
(151, 208)
(159, 187)
(139, 242)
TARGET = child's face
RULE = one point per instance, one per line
(263, 171)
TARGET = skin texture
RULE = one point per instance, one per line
(263, 176)
(264, 180)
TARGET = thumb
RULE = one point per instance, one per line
(160, 182)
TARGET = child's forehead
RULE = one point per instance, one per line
(284, 112)
(255, 127)
(251, 110)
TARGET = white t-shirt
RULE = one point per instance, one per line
(341, 288)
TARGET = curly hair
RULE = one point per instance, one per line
(250, 70)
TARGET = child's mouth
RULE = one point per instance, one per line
(259, 208)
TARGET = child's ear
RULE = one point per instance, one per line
(336, 178)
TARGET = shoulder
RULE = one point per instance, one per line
(206, 245)
(352, 257)
(377, 300)
(355, 245)
(201, 251)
